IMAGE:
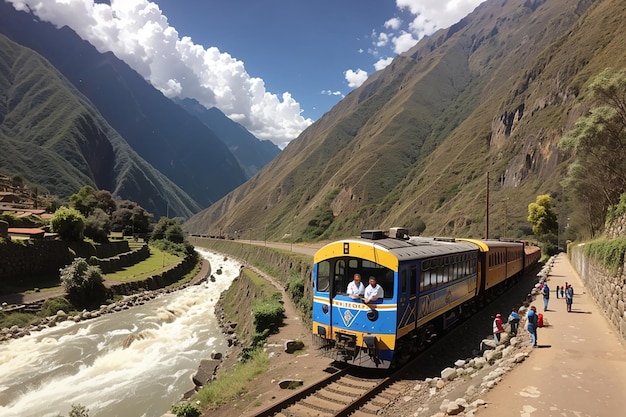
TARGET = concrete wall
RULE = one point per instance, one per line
(608, 290)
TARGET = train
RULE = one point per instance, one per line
(429, 284)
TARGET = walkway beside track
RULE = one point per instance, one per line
(579, 369)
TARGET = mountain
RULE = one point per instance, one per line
(252, 153)
(475, 107)
(161, 132)
(51, 135)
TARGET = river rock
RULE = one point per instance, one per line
(206, 372)
(290, 383)
(292, 346)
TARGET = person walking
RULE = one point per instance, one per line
(546, 296)
(531, 325)
(569, 298)
(557, 291)
(497, 328)
(513, 321)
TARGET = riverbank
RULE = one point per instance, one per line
(35, 298)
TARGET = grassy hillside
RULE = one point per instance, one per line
(52, 136)
(492, 94)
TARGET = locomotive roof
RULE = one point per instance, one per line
(417, 247)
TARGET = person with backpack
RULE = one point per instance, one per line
(513, 321)
(497, 328)
(531, 325)
(546, 296)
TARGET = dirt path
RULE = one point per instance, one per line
(306, 366)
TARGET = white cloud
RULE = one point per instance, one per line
(382, 63)
(403, 42)
(355, 78)
(383, 39)
(393, 23)
(137, 32)
(424, 18)
(332, 93)
(436, 14)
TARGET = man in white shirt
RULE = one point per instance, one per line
(373, 291)
(356, 289)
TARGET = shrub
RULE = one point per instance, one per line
(68, 223)
(8, 320)
(609, 253)
(268, 315)
(295, 288)
(83, 284)
(52, 305)
(98, 226)
(185, 410)
(77, 411)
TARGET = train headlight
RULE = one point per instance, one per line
(325, 309)
(372, 315)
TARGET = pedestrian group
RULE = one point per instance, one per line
(533, 320)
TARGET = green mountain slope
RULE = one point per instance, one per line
(52, 136)
(492, 94)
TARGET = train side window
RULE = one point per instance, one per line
(413, 279)
(403, 279)
(440, 274)
(339, 277)
(388, 284)
(425, 278)
(323, 277)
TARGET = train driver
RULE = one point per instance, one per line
(373, 291)
(356, 289)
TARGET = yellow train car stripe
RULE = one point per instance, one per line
(360, 249)
(383, 341)
(482, 245)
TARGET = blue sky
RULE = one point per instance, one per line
(275, 66)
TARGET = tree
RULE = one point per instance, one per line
(98, 225)
(77, 411)
(105, 201)
(131, 218)
(83, 284)
(84, 200)
(542, 217)
(68, 223)
(598, 141)
(168, 229)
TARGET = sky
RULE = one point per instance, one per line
(275, 66)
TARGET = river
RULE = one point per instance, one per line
(85, 363)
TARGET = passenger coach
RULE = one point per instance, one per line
(425, 281)
(428, 283)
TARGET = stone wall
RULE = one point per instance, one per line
(123, 260)
(33, 257)
(607, 289)
(160, 280)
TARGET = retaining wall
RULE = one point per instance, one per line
(607, 289)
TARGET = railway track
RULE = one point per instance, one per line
(362, 392)
(347, 392)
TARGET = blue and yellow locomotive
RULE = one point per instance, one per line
(428, 284)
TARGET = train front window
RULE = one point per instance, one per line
(323, 277)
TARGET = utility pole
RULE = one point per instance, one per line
(487, 210)
(506, 200)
